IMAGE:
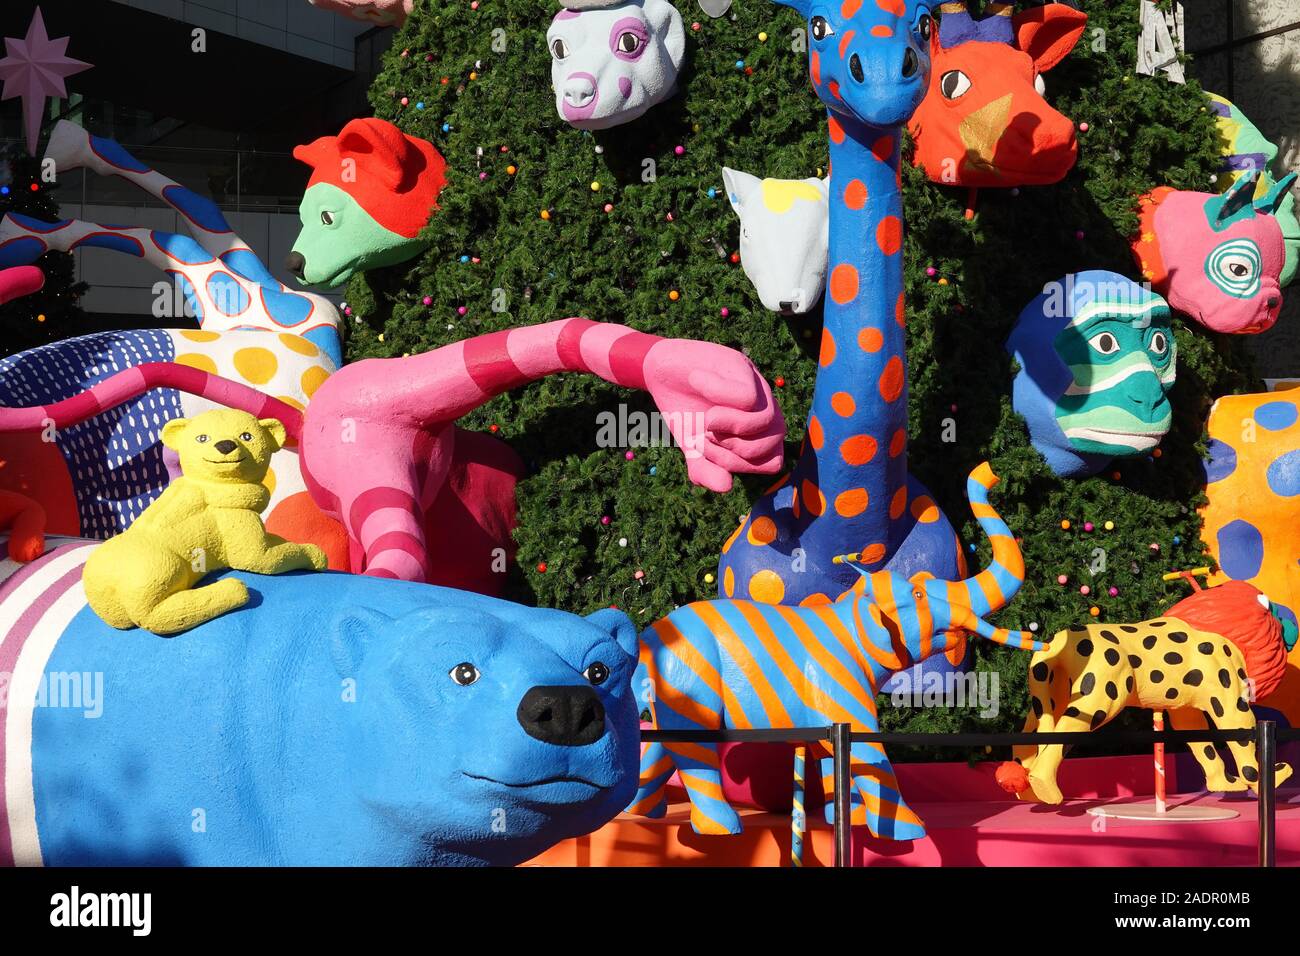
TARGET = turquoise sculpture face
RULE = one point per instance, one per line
(1097, 359)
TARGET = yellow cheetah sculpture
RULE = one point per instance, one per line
(1207, 659)
(207, 520)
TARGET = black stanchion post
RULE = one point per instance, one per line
(843, 781)
(1266, 753)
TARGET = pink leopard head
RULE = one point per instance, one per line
(1216, 258)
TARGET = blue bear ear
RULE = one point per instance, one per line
(351, 636)
(619, 626)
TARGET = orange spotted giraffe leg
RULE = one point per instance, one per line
(25, 521)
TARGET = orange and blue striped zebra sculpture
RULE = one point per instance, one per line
(741, 664)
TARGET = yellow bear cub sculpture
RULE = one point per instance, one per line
(207, 520)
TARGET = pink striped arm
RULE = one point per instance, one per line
(20, 281)
(134, 382)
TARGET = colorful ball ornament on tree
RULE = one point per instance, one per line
(1097, 359)
(784, 237)
(610, 62)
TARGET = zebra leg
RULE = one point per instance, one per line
(875, 800)
(701, 775)
(651, 798)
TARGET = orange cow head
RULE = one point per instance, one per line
(984, 121)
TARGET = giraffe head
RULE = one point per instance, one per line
(869, 59)
(985, 120)
(926, 615)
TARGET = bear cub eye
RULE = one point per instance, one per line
(201, 439)
(464, 673)
(596, 673)
(246, 436)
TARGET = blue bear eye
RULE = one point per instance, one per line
(596, 673)
(201, 439)
(464, 673)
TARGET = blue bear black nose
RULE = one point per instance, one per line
(911, 63)
(225, 447)
(567, 716)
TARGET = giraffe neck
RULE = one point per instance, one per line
(854, 464)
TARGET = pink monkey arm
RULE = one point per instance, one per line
(377, 443)
(20, 281)
(134, 382)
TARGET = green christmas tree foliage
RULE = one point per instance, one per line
(616, 244)
(52, 313)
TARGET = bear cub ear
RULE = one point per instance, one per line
(619, 626)
(173, 431)
(275, 429)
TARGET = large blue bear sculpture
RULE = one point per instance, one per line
(336, 719)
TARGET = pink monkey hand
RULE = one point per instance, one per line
(20, 281)
(718, 408)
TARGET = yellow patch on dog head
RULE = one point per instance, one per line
(224, 445)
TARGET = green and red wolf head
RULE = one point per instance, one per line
(371, 192)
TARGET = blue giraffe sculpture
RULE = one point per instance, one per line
(850, 490)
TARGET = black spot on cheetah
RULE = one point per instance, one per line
(1211, 753)
(1051, 703)
(1216, 707)
(1040, 671)
(1250, 773)
(1110, 636)
(1225, 678)
(1178, 637)
(1098, 719)
(1149, 641)
(1088, 682)
(1112, 656)
(1084, 647)
(1242, 705)
(1072, 712)
(1157, 623)
(1192, 678)
(1134, 661)
(1128, 683)
(1157, 676)
(1173, 657)
(1229, 776)
(1227, 651)
(1111, 690)
(1241, 672)
(1037, 705)
(1128, 628)
(1205, 647)
(1171, 694)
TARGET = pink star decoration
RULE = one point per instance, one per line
(35, 68)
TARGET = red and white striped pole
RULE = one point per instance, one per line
(1158, 724)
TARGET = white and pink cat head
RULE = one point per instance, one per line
(609, 64)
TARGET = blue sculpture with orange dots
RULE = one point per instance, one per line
(850, 490)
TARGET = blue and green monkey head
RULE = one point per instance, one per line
(1097, 360)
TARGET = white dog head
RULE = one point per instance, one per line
(783, 237)
(611, 64)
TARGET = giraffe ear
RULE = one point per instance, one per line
(1269, 203)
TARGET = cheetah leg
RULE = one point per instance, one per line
(1238, 716)
(1087, 698)
(1217, 777)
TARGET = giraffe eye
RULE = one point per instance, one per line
(326, 217)
(821, 29)
(953, 84)
(559, 49)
